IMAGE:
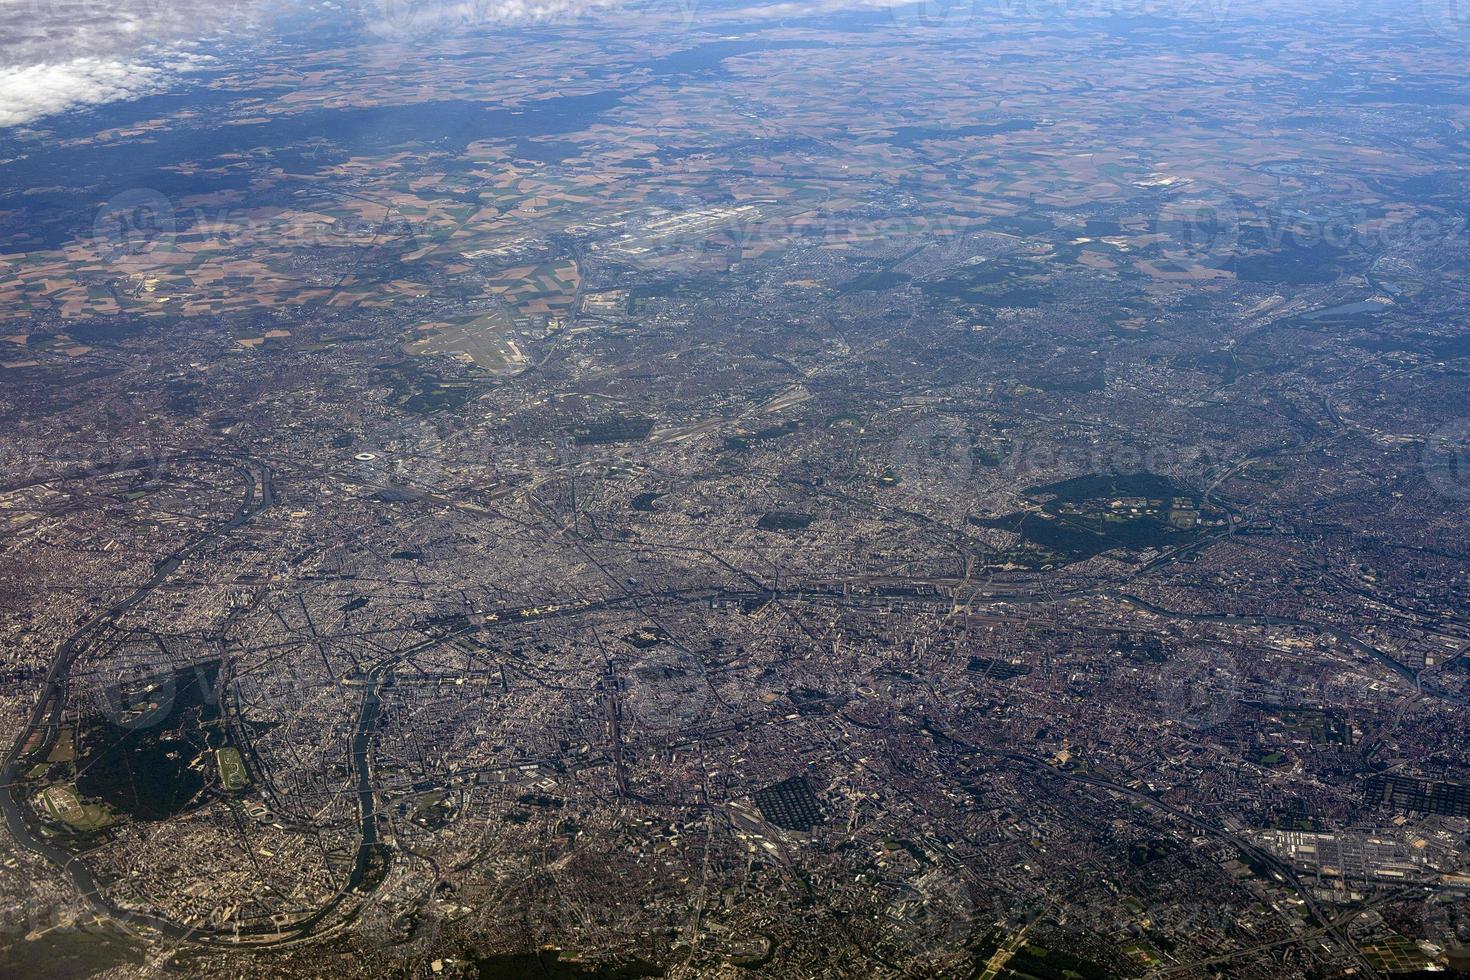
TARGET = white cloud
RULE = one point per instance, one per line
(31, 92)
(397, 19)
(37, 32)
(57, 55)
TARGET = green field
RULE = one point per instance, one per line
(231, 769)
(484, 341)
(62, 803)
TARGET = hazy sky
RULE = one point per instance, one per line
(57, 55)
(61, 54)
(64, 54)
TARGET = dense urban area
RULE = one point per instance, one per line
(939, 491)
